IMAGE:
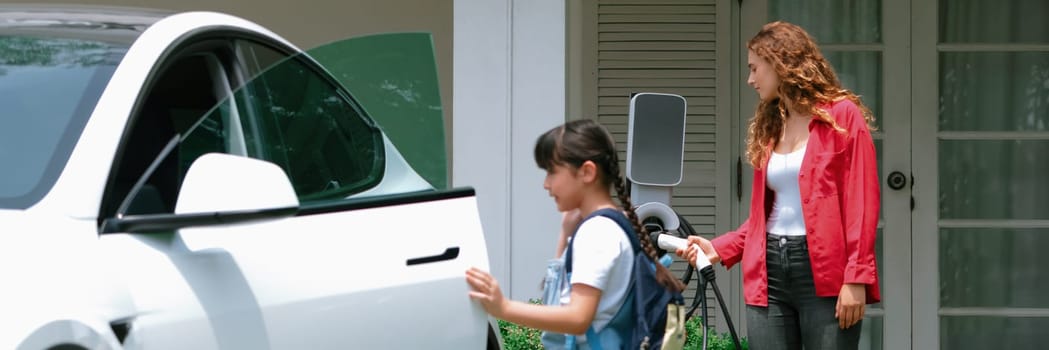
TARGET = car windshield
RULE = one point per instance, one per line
(48, 89)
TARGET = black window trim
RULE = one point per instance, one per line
(349, 204)
(163, 223)
(159, 223)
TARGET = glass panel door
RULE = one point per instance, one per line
(981, 143)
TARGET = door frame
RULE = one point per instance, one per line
(898, 206)
(924, 111)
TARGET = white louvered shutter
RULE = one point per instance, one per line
(664, 46)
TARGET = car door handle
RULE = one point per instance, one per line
(449, 254)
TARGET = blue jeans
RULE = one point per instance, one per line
(795, 315)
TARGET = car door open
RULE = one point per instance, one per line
(345, 246)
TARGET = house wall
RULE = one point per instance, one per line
(509, 87)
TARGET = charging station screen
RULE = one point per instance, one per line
(657, 135)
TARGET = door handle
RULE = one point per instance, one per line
(896, 180)
(449, 254)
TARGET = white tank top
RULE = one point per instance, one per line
(786, 217)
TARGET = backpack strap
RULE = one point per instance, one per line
(593, 339)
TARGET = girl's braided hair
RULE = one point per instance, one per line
(579, 141)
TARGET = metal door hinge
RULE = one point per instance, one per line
(739, 178)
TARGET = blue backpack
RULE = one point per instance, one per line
(652, 317)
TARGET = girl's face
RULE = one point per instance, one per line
(565, 184)
(762, 77)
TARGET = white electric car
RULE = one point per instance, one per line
(194, 181)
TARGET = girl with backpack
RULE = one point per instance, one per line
(581, 166)
(808, 247)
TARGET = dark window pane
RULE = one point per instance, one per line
(311, 129)
(394, 77)
(994, 21)
(983, 267)
(860, 72)
(832, 21)
(994, 91)
(994, 179)
(987, 332)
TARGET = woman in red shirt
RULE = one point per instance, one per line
(808, 247)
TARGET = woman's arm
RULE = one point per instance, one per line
(729, 247)
(731, 243)
(860, 205)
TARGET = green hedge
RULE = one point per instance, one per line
(715, 341)
(519, 338)
(522, 338)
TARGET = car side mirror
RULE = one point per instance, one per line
(219, 189)
(219, 182)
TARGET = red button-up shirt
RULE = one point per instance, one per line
(840, 202)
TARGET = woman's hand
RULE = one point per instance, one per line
(852, 302)
(485, 289)
(704, 244)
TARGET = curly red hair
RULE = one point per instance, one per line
(806, 82)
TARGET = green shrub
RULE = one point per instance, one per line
(516, 337)
(715, 341)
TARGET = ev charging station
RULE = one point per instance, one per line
(654, 165)
(655, 156)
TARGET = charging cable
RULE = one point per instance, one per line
(706, 275)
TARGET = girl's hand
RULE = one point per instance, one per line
(485, 289)
(705, 245)
(569, 222)
(851, 304)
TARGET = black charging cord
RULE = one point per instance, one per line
(706, 275)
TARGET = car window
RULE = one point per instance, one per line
(184, 113)
(283, 111)
(298, 118)
(219, 131)
(394, 77)
(48, 89)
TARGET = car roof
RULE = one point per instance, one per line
(121, 25)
